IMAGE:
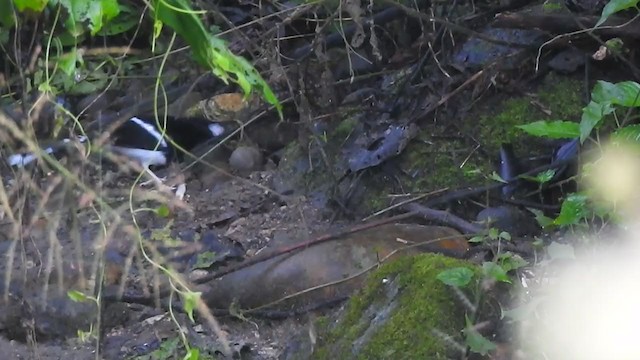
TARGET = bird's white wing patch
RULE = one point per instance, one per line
(145, 157)
(21, 160)
(216, 129)
(150, 129)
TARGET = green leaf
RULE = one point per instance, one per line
(542, 220)
(189, 302)
(126, 20)
(7, 18)
(75, 9)
(629, 133)
(496, 177)
(613, 6)
(592, 115)
(475, 341)
(626, 93)
(495, 272)
(95, 12)
(477, 239)
(163, 211)
(67, 62)
(614, 45)
(553, 129)
(192, 354)
(22, 5)
(541, 177)
(4, 34)
(493, 234)
(167, 350)
(211, 51)
(573, 210)
(99, 12)
(458, 277)
(510, 261)
(77, 296)
(205, 260)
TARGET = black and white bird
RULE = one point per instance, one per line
(149, 142)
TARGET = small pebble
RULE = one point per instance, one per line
(246, 158)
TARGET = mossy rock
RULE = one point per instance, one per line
(396, 314)
(559, 98)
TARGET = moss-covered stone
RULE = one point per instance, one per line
(395, 315)
(558, 98)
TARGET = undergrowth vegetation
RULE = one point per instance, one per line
(66, 43)
(82, 47)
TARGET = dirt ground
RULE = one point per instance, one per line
(240, 211)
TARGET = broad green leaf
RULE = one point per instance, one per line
(553, 129)
(495, 271)
(7, 18)
(626, 93)
(126, 20)
(67, 62)
(21, 5)
(75, 9)
(629, 134)
(613, 6)
(99, 12)
(95, 12)
(475, 341)
(458, 277)
(211, 51)
(573, 210)
(592, 115)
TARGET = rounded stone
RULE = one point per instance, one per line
(246, 158)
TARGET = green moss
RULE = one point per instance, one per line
(423, 304)
(551, 7)
(497, 123)
(436, 163)
(376, 199)
(345, 128)
(563, 96)
(501, 127)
